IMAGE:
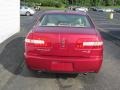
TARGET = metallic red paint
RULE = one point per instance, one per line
(72, 64)
(61, 49)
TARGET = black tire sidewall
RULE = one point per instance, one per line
(28, 14)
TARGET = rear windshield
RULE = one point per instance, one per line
(68, 20)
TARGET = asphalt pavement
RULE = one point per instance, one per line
(15, 76)
(111, 26)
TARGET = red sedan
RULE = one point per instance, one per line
(64, 42)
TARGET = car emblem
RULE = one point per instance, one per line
(63, 43)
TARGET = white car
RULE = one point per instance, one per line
(108, 10)
(84, 9)
(24, 10)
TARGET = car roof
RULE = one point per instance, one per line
(65, 12)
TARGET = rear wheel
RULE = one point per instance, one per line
(28, 13)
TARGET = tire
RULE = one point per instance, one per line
(28, 13)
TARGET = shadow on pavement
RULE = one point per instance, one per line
(28, 73)
(107, 36)
(115, 33)
(12, 59)
(12, 55)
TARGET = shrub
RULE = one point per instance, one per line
(52, 3)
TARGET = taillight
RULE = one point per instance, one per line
(92, 43)
(41, 42)
(35, 40)
(88, 44)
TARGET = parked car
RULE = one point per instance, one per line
(81, 9)
(108, 10)
(64, 42)
(93, 8)
(100, 10)
(73, 8)
(96, 9)
(117, 10)
(24, 10)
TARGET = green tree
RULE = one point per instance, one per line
(75, 2)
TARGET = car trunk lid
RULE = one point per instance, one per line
(65, 41)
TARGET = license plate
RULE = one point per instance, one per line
(65, 67)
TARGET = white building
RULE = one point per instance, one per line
(9, 18)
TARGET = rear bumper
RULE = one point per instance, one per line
(67, 65)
